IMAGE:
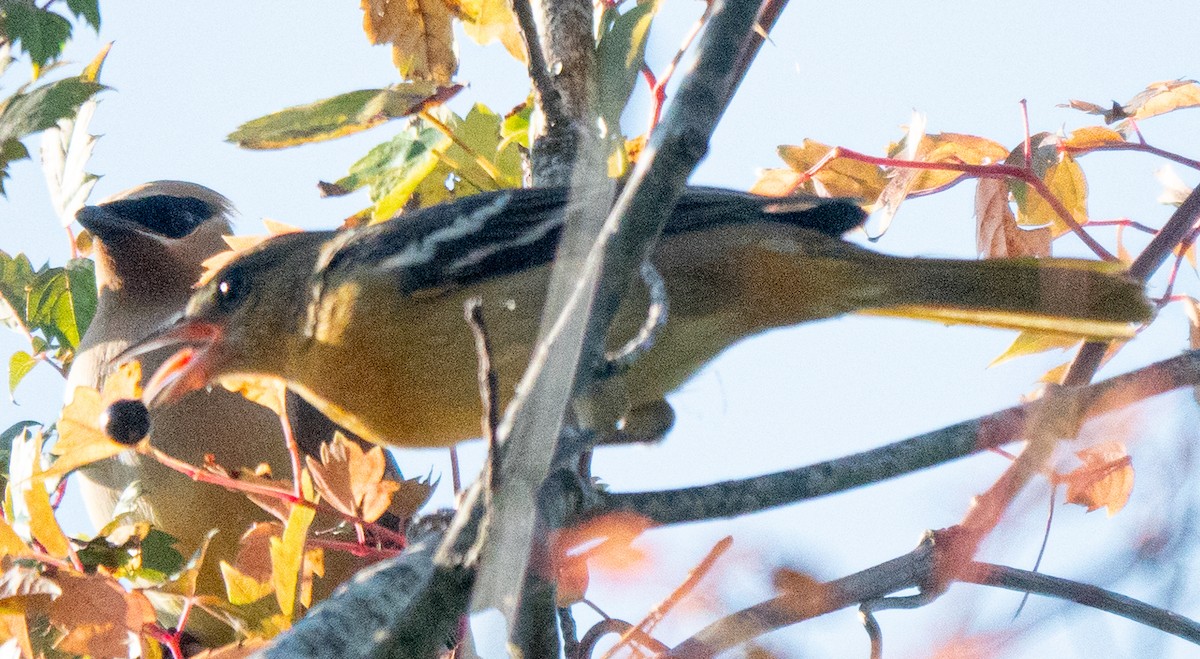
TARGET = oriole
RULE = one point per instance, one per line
(367, 325)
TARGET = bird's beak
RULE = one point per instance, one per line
(189, 369)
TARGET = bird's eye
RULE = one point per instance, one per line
(230, 290)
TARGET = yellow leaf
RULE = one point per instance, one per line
(1163, 97)
(42, 525)
(486, 21)
(1056, 375)
(777, 182)
(1104, 480)
(11, 544)
(420, 33)
(287, 554)
(1032, 343)
(313, 567)
(1066, 182)
(241, 588)
(81, 440)
(15, 626)
(840, 177)
(264, 390)
(91, 72)
(953, 148)
(1091, 137)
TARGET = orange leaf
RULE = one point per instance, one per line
(100, 617)
(1105, 479)
(1091, 137)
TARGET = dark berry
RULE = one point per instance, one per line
(126, 421)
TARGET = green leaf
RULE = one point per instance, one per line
(339, 116)
(89, 10)
(480, 132)
(19, 365)
(16, 278)
(41, 108)
(620, 56)
(10, 151)
(394, 169)
(40, 32)
(63, 301)
(516, 125)
(1031, 208)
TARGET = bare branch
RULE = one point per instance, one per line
(738, 497)
(1087, 361)
(924, 568)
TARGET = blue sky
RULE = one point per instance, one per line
(184, 75)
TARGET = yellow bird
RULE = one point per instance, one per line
(150, 244)
(367, 325)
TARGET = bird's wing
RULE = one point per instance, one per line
(497, 233)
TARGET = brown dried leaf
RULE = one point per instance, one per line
(99, 617)
(409, 497)
(331, 475)
(1105, 479)
(420, 33)
(997, 233)
(254, 550)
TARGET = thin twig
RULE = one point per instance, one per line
(489, 383)
(655, 616)
(289, 440)
(1133, 146)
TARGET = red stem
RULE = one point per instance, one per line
(980, 171)
(1134, 146)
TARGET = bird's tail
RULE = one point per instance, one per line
(1091, 299)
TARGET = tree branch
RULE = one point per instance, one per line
(925, 568)
(534, 420)
(1087, 361)
(738, 497)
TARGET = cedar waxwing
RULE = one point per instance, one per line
(367, 325)
(150, 243)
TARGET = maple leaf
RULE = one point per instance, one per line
(1104, 480)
